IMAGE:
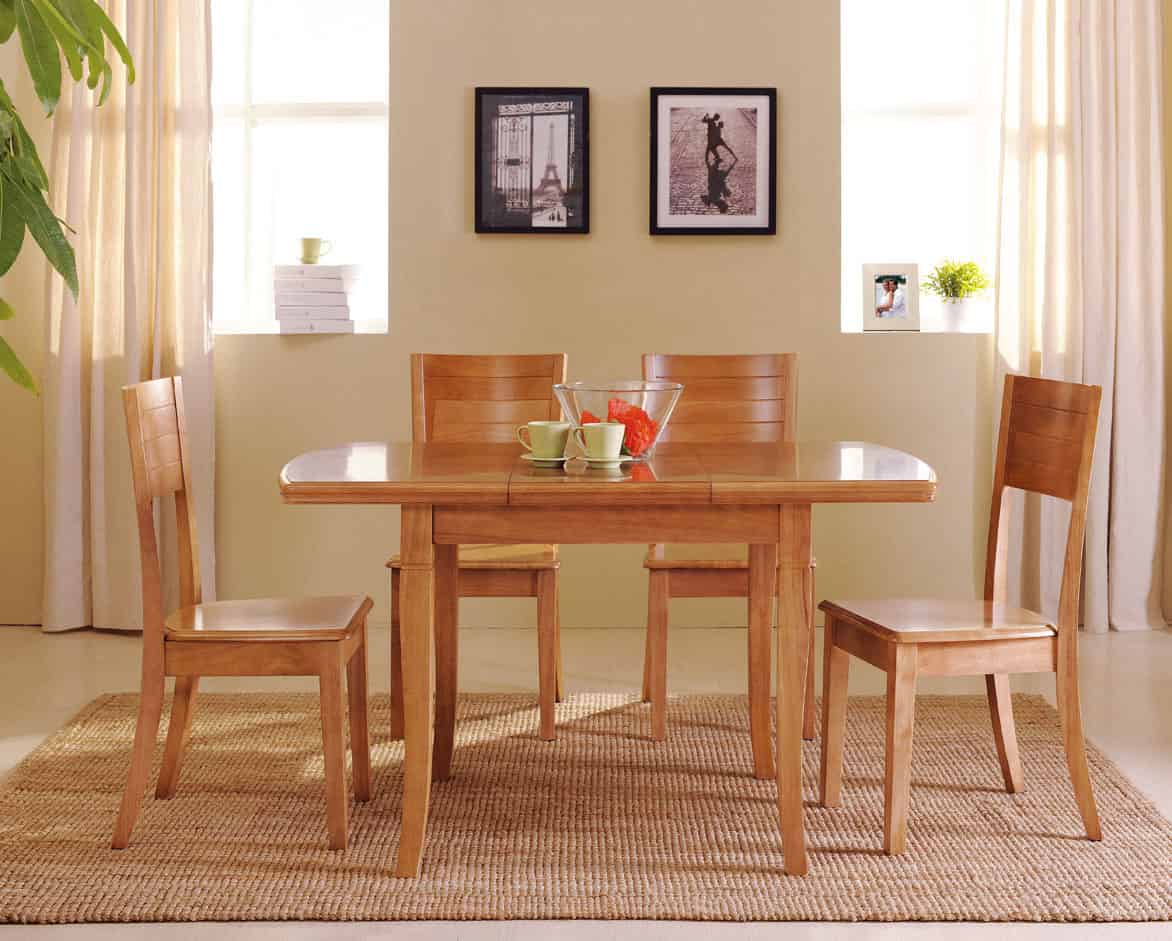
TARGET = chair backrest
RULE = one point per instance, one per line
(482, 399)
(1046, 445)
(730, 398)
(159, 466)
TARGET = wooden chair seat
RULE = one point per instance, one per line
(274, 619)
(717, 558)
(520, 557)
(932, 620)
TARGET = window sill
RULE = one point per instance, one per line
(934, 329)
(261, 327)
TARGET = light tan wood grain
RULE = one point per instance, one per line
(762, 584)
(835, 674)
(417, 624)
(258, 637)
(901, 715)
(728, 399)
(334, 746)
(1045, 445)
(447, 658)
(793, 574)
(464, 482)
(475, 401)
(569, 524)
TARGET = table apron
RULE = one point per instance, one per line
(604, 525)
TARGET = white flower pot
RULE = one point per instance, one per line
(955, 313)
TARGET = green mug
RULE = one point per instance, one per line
(313, 249)
(601, 440)
(547, 439)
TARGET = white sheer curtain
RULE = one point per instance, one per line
(1080, 292)
(133, 179)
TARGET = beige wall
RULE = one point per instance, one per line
(21, 528)
(605, 298)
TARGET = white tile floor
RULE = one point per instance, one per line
(1127, 704)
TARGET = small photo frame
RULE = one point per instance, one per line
(713, 161)
(891, 297)
(533, 160)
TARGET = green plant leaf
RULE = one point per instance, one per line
(12, 365)
(31, 206)
(98, 16)
(79, 14)
(7, 20)
(11, 230)
(30, 159)
(6, 311)
(68, 38)
(40, 52)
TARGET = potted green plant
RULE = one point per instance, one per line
(956, 283)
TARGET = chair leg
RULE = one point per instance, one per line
(1004, 731)
(647, 657)
(1070, 712)
(396, 662)
(901, 712)
(655, 660)
(835, 674)
(334, 749)
(447, 655)
(547, 651)
(182, 708)
(150, 709)
(557, 635)
(808, 731)
(763, 583)
(359, 725)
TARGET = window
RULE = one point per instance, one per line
(921, 97)
(299, 149)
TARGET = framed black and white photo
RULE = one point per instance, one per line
(891, 297)
(532, 160)
(713, 153)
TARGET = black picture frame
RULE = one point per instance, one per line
(501, 183)
(716, 188)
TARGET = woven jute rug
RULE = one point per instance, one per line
(602, 823)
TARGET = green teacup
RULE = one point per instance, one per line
(547, 439)
(601, 440)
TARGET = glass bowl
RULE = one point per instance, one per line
(644, 406)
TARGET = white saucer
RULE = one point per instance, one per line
(544, 461)
(603, 461)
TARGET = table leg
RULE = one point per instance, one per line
(417, 626)
(794, 590)
(762, 585)
(447, 653)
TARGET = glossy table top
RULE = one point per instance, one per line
(495, 475)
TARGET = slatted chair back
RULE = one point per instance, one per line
(482, 399)
(1046, 445)
(730, 399)
(159, 465)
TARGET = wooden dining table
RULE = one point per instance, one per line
(455, 494)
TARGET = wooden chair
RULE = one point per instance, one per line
(323, 637)
(1046, 443)
(726, 399)
(483, 399)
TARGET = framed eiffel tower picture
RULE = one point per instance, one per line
(533, 160)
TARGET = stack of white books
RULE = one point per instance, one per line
(314, 298)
